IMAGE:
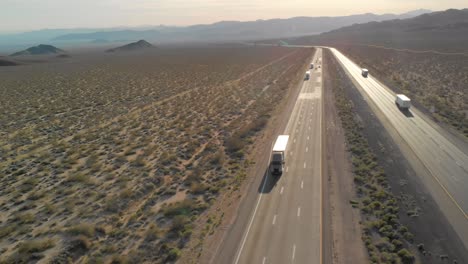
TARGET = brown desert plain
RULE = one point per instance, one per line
(119, 157)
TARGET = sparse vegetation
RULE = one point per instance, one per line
(124, 154)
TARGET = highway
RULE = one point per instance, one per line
(285, 223)
(446, 162)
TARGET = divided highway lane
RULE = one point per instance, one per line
(285, 226)
(447, 163)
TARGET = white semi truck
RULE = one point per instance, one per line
(402, 101)
(307, 75)
(278, 155)
(365, 72)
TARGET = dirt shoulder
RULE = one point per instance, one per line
(342, 235)
(231, 210)
(430, 236)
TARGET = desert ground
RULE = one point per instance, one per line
(118, 157)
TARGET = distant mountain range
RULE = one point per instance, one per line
(139, 45)
(238, 31)
(221, 31)
(445, 31)
(39, 50)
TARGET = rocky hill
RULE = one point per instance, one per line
(39, 50)
(139, 45)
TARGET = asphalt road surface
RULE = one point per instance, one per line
(285, 224)
(446, 162)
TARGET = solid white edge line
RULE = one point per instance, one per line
(253, 216)
(294, 252)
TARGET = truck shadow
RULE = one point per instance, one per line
(404, 111)
(268, 182)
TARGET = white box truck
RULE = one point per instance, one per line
(365, 72)
(307, 75)
(402, 101)
(278, 155)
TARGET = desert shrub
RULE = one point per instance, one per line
(78, 178)
(80, 242)
(6, 230)
(24, 218)
(119, 259)
(179, 222)
(111, 205)
(406, 256)
(139, 162)
(49, 208)
(36, 195)
(218, 158)
(173, 254)
(180, 208)
(152, 233)
(35, 246)
(198, 188)
(125, 194)
(84, 229)
(234, 144)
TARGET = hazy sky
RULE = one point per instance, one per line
(19, 15)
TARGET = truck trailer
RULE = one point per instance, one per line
(402, 101)
(278, 155)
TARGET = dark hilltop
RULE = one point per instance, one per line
(39, 50)
(139, 45)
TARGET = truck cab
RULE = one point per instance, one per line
(277, 163)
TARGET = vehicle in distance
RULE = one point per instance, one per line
(278, 155)
(311, 65)
(307, 75)
(365, 72)
(402, 101)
